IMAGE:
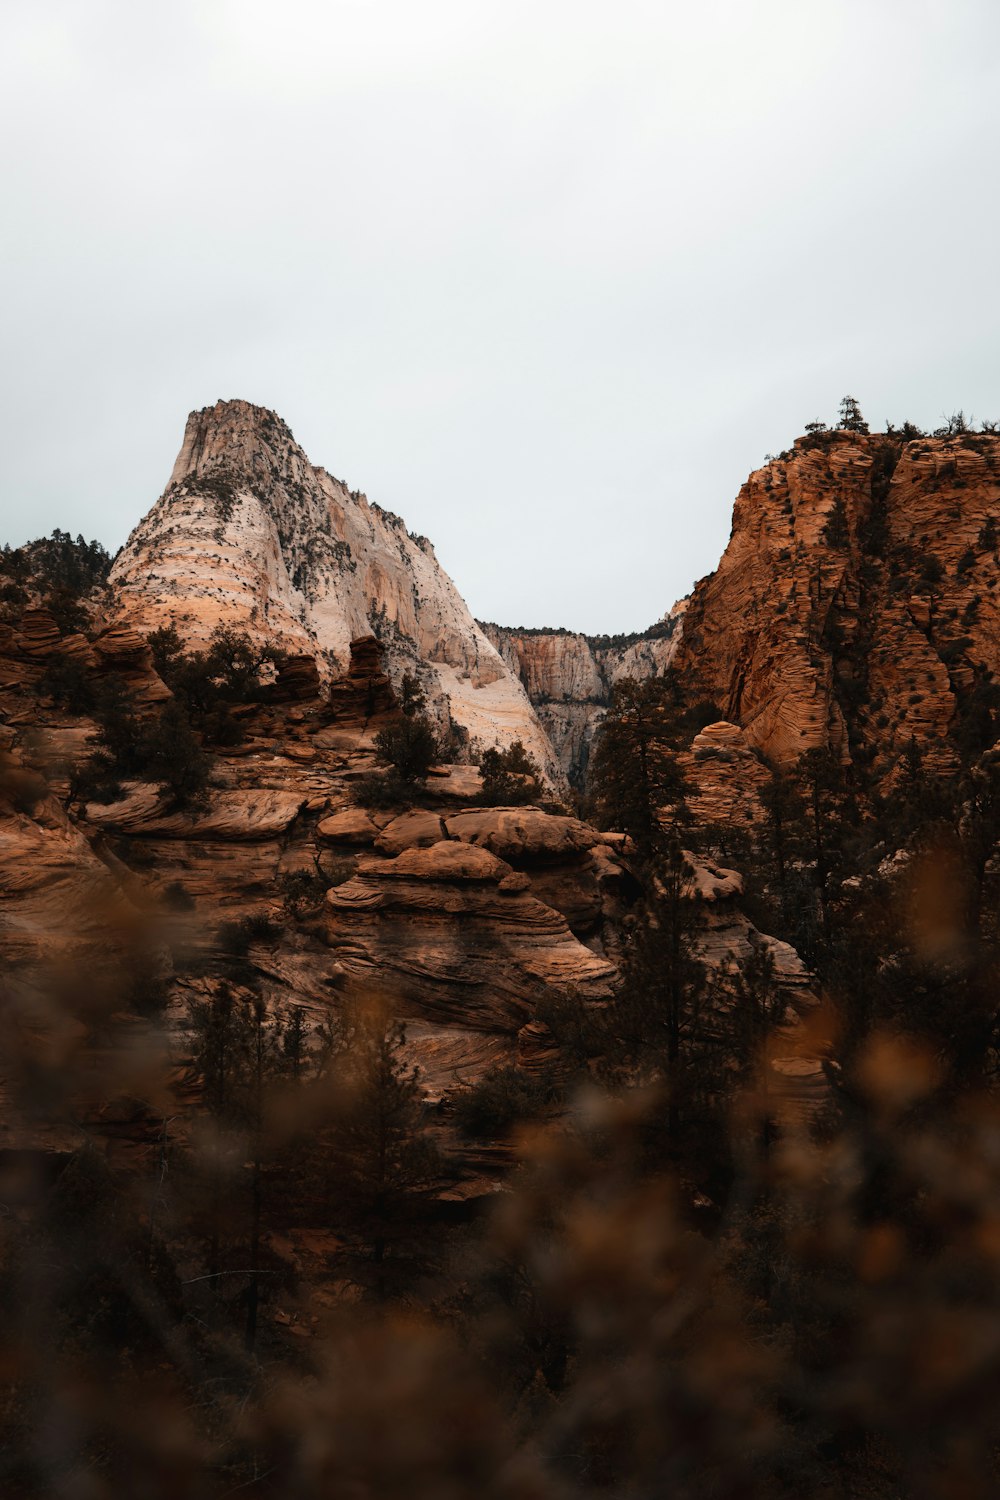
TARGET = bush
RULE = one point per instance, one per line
(409, 745)
(208, 683)
(511, 777)
(175, 760)
(301, 891)
(381, 790)
(67, 682)
(503, 1097)
(235, 938)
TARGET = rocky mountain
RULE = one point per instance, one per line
(855, 607)
(249, 534)
(569, 676)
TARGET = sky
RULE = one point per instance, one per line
(547, 279)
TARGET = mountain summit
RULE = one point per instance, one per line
(248, 533)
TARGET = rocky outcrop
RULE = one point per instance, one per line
(855, 608)
(725, 779)
(249, 534)
(452, 934)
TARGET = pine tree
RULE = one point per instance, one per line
(653, 1030)
(511, 777)
(239, 1053)
(636, 783)
(379, 1169)
(850, 418)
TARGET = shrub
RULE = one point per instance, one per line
(409, 745)
(67, 682)
(503, 1097)
(175, 760)
(381, 790)
(235, 938)
(301, 891)
(511, 777)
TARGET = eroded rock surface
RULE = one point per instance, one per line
(248, 533)
(855, 608)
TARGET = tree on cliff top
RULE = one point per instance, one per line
(850, 418)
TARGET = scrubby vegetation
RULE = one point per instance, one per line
(511, 777)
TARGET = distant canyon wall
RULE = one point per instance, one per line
(569, 677)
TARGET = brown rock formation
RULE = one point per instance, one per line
(856, 605)
(449, 936)
(725, 777)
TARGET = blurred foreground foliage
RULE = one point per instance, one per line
(831, 1327)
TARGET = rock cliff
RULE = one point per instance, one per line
(249, 534)
(855, 607)
(569, 676)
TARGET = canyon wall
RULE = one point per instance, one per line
(855, 608)
(569, 676)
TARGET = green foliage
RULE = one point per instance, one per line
(835, 530)
(378, 1165)
(68, 683)
(381, 791)
(302, 891)
(58, 562)
(66, 609)
(635, 780)
(411, 696)
(210, 683)
(409, 745)
(163, 749)
(511, 777)
(174, 759)
(236, 937)
(849, 418)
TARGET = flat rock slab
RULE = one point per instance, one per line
(523, 833)
(352, 826)
(416, 829)
(242, 813)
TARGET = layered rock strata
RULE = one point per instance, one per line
(856, 606)
(249, 534)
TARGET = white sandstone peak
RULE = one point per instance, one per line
(248, 533)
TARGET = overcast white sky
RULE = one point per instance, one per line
(548, 279)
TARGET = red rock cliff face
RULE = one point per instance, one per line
(856, 605)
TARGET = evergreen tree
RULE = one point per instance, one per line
(636, 782)
(511, 777)
(654, 1030)
(239, 1052)
(378, 1166)
(409, 745)
(850, 418)
(175, 759)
